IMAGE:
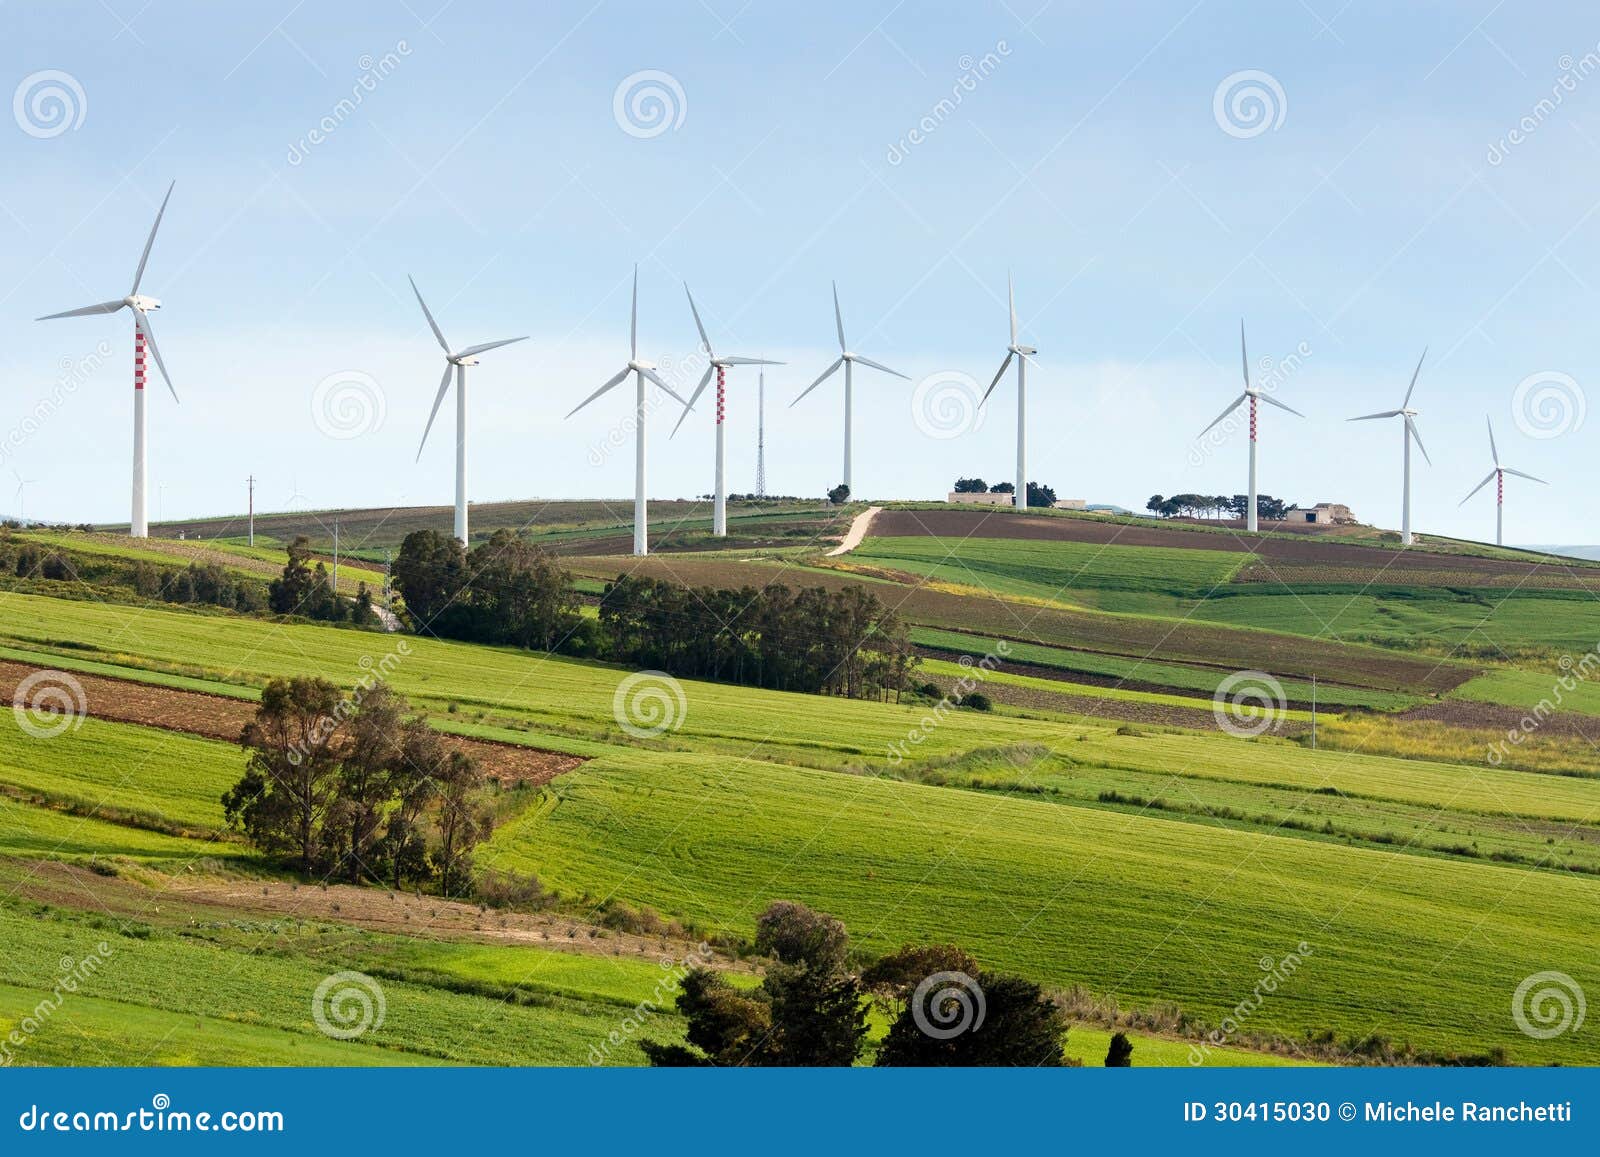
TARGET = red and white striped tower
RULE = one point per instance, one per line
(719, 509)
(139, 526)
(1499, 507)
(1250, 511)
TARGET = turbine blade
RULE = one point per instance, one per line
(1411, 428)
(489, 345)
(882, 367)
(633, 319)
(1244, 358)
(143, 322)
(1368, 417)
(704, 340)
(838, 317)
(611, 384)
(438, 399)
(705, 379)
(1520, 474)
(749, 362)
(1270, 400)
(1011, 303)
(1414, 374)
(1232, 406)
(1493, 449)
(428, 313)
(822, 377)
(1487, 478)
(658, 380)
(138, 275)
(85, 311)
(998, 374)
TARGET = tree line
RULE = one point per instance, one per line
(507, 591)
(811, 1008)
(1268, 508)
(1038, 493)
(357, 786)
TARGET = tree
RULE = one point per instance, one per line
(291, 777)
(839, 495)
(1002, 488)
(1018, 1025)
(362, 614)
(727, 1027)
(1040, 495)
(464, 819)
(519, 595)
(971, 486)
(1120, 1054)
(1155, 505)
(430, 572)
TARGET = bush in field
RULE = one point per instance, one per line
(1120, 1054)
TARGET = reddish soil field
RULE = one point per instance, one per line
(218, 717)
(1489, 717)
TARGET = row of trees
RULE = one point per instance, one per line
(811, 1009)
(357, 786)
(502, 591)
(841, 642)
(307, 590)
(1268, 508)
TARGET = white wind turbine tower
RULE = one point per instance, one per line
(143, 335)
(22, 496)
(1407, 437)
(455, 362)
(848, 361)
(1022, 353)
(1253, 395)
(719, 509)
(641, 371)
(1498, 476)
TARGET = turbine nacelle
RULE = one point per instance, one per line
(142, 303)
(641, 367)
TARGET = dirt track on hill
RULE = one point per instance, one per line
(219, 717)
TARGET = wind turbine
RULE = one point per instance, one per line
(719, 509)
(1498, 476)
(458, 361)
(22, 496)
(1407, 437)
(143, 335)
(1253, 395)
(848, 361)
(1022, 353)
(641, 371)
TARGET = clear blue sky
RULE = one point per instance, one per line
(1368, 220)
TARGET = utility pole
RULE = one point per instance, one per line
(252, 483)
(1313, 713)
(335, 558)
(388, 566)
(761, 434)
